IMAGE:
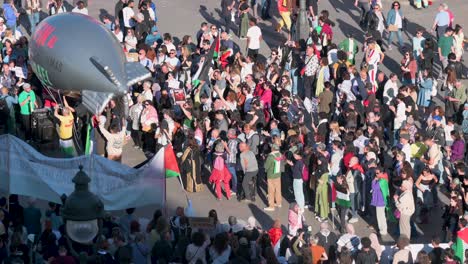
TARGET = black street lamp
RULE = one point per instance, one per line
(82, 211)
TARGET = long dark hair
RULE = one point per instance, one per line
(220, 242)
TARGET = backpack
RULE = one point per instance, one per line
(305, 173)
(340, 70)
(4, 110)
(355, 242)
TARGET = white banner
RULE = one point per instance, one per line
(25, 171)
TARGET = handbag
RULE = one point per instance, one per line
(397, 213)
(392, 28)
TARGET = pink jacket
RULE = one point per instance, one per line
(294, 222)
(149, 116)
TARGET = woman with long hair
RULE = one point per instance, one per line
(130, 41)
(149, 120)
(191, 165)
(395, 24)
(220, 250)
(343, 202)
(425, 185)
(451, 216)
(458, 41)
(244, 9)
(272, 73)
(425, 90)
(284, 84)
(161, 56)
(408, 67)
(376, 24)
(323, 76)
(185, 64)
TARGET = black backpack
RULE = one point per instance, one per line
(340, 70)
(4, 110)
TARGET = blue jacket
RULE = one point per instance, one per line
(391, 16)
(10, 15)
(10, 100)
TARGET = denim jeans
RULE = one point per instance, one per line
(399, 35)
(354, 204)
(33, 20)
(294, 81)
(232, 170)
(298, 192)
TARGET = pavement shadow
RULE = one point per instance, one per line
(345, 9)
(209, 16)
(261, 216)
(350, 29)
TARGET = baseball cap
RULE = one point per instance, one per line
(26, 86)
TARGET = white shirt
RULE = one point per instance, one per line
(119, 36)
(173, 61)
(246, 70)
(253, 34)
(83, 11)
(170, 46)
(400, 115)
(390, 91)
(374, 57)
(130, 42)
(127, 16)
(398, 20)
(147, 94)
(407, 150)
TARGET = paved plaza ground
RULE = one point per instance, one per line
(183, 17)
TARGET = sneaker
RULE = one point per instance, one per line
(353, 220)
(306, 206)
(269, 209)
(233, 193)
(247, 201)
(278, 205)
(389, 47)
(136, 147)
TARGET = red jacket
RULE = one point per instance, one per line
(283, 6)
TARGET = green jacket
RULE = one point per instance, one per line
(273, 166)
(460, 94)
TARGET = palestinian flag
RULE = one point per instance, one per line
(89, 141)
(383, 183)
(342, 199)
(170, 163)
(224, 59)
(204, 69)
(216, 45)
(461, 244)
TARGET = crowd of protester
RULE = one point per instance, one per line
(317, 123)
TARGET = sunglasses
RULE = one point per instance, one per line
(172, 53)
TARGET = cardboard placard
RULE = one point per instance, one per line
(179, 95)
(132, 57)
(202, 222)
